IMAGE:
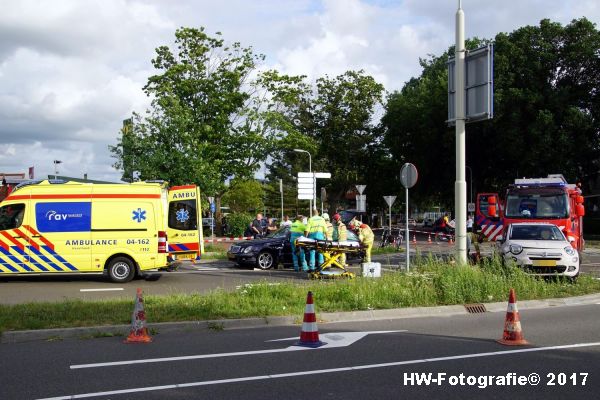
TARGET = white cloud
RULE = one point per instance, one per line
(72, 70)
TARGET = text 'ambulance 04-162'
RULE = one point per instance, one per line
(55, 227)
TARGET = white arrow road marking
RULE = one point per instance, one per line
(336, 339)
(101, 289)
(340, 339)
(296, 374)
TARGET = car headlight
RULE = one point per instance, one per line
(570, 251)
(247, 250)
(516, 248)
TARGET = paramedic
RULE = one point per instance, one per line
(296, 231)
(315, 229)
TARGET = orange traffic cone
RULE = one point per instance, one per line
(309, 336)
(414, 238)
(429, 239)
(513, 335)
(450, 243)
(139, 332)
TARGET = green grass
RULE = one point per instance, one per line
(214, 252)
(430, 283)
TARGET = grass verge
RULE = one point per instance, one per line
(431, 283)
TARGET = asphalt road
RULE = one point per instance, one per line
(202, 277)
(247, 363)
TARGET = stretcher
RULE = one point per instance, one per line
(332, 251)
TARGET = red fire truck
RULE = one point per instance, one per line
(550, 199)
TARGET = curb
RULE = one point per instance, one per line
(222, 324)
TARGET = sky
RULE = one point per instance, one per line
(72, 70)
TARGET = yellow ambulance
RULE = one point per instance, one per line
(59, 227)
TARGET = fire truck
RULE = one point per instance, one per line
(551, 199)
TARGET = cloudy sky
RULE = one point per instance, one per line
(72, 70)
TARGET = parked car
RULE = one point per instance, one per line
(539, 248)
(270, 251)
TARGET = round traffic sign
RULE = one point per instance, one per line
(408, 175)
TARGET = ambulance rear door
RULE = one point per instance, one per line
(184, 221)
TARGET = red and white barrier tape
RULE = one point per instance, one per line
(228, 239)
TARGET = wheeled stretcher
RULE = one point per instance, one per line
(332, 251)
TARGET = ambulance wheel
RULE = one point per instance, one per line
(265, 260)
(121, 269)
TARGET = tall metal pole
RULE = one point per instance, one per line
(460, 186)
(407, 235)
(281, 191)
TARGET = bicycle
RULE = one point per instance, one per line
(389, 239)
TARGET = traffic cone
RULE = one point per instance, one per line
(309, 336)
(139, 332)
(414, 238)
(450, 242)
(429, 239)
(513, 335)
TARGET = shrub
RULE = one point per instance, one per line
(238, 222)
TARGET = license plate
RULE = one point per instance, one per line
(544, 263)
(186, 256)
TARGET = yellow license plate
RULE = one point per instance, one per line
(544, 263)
(187, 256)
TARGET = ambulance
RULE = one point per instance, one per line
(119, 230)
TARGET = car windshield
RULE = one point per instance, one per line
(280, 233)
(537, 206)
(536, 232)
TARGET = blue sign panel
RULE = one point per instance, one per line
(213, 208)
(63, 217)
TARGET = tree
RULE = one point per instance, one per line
(546, 113)
(244, 195)
(334, 122)
(210, 121)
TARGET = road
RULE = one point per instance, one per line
(198, 278)
(262, 363)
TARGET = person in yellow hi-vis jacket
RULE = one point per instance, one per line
(297, 230)
(329, 233)
(340, 234)
(366, 237)
(315, 229)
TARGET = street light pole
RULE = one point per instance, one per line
(310, 203)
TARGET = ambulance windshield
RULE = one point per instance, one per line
(11, 216)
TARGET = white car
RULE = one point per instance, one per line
(539, 248)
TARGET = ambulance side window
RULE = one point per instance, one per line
(11, 216)
(182, 215)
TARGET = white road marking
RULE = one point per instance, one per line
(101, 289)
(334, 339)
(322, 371)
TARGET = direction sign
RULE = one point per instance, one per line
(305, 175)
(408, 175)
(361, 202)
(323, 175)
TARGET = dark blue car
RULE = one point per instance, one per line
(268, 252)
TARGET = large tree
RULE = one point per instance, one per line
(547, 82)
(213, 115)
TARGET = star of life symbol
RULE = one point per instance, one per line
(182, 215)
(139, 215)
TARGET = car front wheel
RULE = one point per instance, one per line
(265, 260)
